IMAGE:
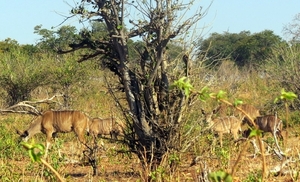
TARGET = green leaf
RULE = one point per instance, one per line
(204, 94)
(237, 102)
(286, 96)
(27, 146)
(221, 95)
(35, 151)
(32, 155)
(255, 132)
(219, 176)
(183, 84)
(40, 147)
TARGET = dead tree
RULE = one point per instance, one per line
(154, 110)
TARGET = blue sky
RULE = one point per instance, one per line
(19, 17)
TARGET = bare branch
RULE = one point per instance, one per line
(48, 100)
(29, 105)
(23, 104)
(69, 17)
(2, 111)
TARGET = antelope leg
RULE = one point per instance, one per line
(47, 148)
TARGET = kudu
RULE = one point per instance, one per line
(53, 122)
(107, 126)
(224, 124)
(268, 123)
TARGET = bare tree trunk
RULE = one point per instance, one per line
(155, 111)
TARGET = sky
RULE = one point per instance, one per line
(19, 17)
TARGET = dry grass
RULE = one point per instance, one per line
(15, 165)
(113, 166)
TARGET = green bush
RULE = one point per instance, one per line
(9, 144)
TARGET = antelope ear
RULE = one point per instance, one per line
(217, 109)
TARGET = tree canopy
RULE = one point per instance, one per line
(22, 72)
(244, 48)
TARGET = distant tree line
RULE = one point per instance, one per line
(244, 48)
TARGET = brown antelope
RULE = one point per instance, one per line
(53, 122)
(224, 124)
(268, 123)
(108, 126)
(250, 110)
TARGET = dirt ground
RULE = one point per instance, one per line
(121, 167)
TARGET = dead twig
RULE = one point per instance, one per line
(27, 107)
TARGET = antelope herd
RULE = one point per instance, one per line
(244, 114)
(52, 122)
